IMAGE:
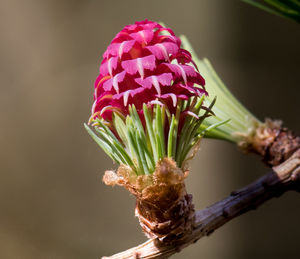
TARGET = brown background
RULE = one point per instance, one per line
(52, 201)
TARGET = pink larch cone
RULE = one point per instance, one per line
(144, 63)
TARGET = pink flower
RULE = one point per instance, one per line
(145, 63)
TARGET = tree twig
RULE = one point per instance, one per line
(284, 177)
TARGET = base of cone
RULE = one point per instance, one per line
(163, 207)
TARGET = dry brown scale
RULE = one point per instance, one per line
(163, 207)
(274, 143)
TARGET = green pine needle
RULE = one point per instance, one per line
(171, 137)
(150, 132)
(142, 146)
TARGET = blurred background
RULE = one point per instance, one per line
(53, 203)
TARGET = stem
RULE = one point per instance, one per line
(284, 177)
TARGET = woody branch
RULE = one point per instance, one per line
(284, 177)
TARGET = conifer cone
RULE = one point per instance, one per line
(144, 63)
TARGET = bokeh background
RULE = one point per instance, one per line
(53, 203)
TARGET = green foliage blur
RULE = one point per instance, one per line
(284, 8)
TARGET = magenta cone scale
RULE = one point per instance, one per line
(145, 64)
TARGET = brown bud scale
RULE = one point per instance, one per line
(163, 207)
(275, 144)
